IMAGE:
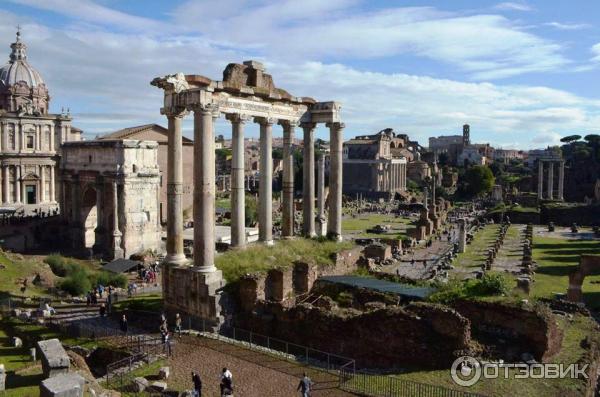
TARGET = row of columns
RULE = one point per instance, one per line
(204, 184)
(19, 193)
(550, 180)
(19, 139)
(393, 177)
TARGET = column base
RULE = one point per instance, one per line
(118, 253)
(206, 269)
(268, 243)
(176, 259)
(334, 237)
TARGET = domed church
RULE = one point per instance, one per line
(30, 138)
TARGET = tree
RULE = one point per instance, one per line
(479, 180)
(570, 138)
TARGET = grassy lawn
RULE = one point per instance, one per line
(572, 351)
(476, 252)
(556, 259)
(24, 375)
(149, 303)
(358, 226)
(261, 258)
(14, 272)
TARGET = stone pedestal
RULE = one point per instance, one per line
(54, 357)
(188, 290)
(64, 385)
(2, 378)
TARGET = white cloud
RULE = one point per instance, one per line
(104, 78)
(596, 52)
(568, 26)
(546, 139)
(513, 6)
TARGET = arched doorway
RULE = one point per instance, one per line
(89, 216)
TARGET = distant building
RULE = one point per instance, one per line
(451, 145)
(548, 154)
(418, 170)
(374, 165)
(30, 138)
(155, 132)
(506, 155)
(471, 155)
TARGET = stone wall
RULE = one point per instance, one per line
(283, 285)
(534, 329)
(417, 335)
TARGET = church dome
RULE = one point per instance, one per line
(22, 88)
(18, 69)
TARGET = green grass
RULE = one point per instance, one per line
(358, 226)
(557, 258)
(150, 303)
(148, 371)
(476, 252)
(14, 272)
(261, 258)
(25, 375)
(575, 332)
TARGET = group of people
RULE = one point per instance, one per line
(149, 274)
(225, 386)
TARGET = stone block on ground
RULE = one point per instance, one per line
(16, 342)
(163, 373)
(25, 315)
(2, 378)
(55, 359)
(140, 384)
(159, 386)
(63, 385)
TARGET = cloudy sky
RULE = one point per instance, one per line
(523, 74)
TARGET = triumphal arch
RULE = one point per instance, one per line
(110, 193)
(246, 94)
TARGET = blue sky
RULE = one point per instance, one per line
(522, 73)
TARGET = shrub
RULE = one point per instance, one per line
(58, 264)
(491, 284)
(77, 282)
(107, 278)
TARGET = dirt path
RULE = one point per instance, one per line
(254, 373)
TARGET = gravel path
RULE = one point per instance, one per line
(254, 373)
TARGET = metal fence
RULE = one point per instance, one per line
(374, 385)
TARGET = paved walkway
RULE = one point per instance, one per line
(254, 373)
(510, 255)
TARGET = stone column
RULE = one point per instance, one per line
(287, 229)
(561, 180)
(308, 187)
(204, 188)
(550, 180)
(17, 184)
(116, 235)
(334, 224)
(52, 185)
(99, 230)
(2, 187)
(175, 254)
(462, 235)
(238, 198)
(265, 194)
(540, 180)
(321, 196)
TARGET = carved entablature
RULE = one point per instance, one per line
(245, 90)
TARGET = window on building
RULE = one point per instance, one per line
(29, 141)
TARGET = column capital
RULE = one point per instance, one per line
(237, 118)
(287, 124)
(204, 108)
(308, 125)
(175, 112)
(336, 125)
(269, 121)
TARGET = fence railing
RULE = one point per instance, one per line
(389, 386)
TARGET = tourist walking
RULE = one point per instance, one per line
(123, 324)
(197, 384)
(226, 383)
(166, 343)
(178, 324)
(102, 310)
(305, 385)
